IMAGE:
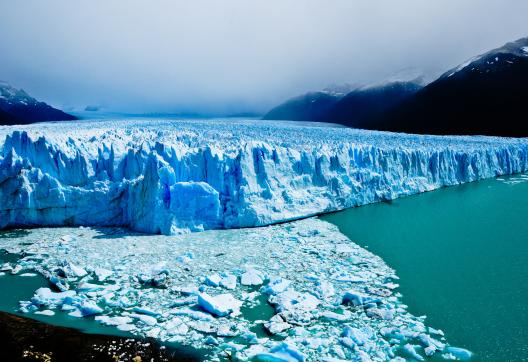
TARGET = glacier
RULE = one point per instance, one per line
(171, 177)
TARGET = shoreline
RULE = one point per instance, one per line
(26, 339)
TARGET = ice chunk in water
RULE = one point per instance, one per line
(410, 350)
(44, 296)
(102, 274)
(113, 321)
(228, 281)
(357, 298)
(276, 285)
(297, 307)
(358, 336)
(88, 308)
(213, 280)
(77, 270)
(459, 353)
(45, 312)
(252, 277)
(283, 352)
(276, 324)
(220, 305)
(146, 319)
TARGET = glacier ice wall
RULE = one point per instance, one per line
(176, 176)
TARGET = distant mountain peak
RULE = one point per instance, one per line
(349, 104)
(339, 90)
(486, 62)
(405, 75)
(486, 95)
(18, 107)
(13, 96)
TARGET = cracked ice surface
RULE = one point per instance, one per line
(318, 295)
(176, 176)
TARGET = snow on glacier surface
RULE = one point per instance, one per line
(168, 177)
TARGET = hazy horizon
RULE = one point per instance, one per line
(234, 56)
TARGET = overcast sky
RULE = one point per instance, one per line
(235, 55)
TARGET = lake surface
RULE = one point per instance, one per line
(462, 257)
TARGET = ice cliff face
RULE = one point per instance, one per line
(170, 177)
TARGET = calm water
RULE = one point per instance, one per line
(462, 256)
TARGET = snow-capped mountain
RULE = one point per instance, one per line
(340, 90)
(353, 106)
(361, 106)
(311, 106)
(493, 61)
(18, 107)
(487, 94)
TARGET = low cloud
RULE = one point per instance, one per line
(235, 55)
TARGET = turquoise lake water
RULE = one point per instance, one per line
(462, 257)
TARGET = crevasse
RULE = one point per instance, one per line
(171, 177)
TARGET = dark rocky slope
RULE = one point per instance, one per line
(487, 95)
(18, 107)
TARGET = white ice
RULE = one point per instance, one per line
(310, 315)
(171, 177)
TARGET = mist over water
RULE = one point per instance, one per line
(224, 57)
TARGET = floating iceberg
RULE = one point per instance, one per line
(220, 305)
(282, 353)
(252, 277)
(176, 176)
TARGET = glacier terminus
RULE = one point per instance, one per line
(171, 177)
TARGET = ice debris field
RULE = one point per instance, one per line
(171, 177)
(298, 291)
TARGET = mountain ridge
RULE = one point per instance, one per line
(18, 107)
(355, 108)
(486, 95)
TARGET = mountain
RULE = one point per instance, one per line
(18, 107)
(355, 108)
(6, 118)
(486, 95)
(361, 106)
(312, 106)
